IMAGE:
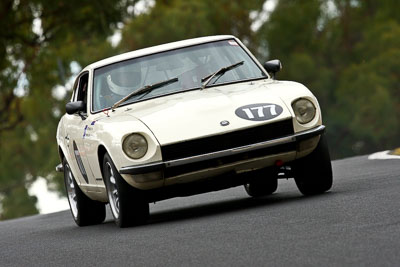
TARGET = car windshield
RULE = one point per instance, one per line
(189, 65)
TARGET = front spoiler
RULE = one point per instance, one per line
(161, 165)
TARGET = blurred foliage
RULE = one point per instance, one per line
(173, 20)
(38, 41)
(345, 51)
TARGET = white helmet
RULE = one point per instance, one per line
(123, 81)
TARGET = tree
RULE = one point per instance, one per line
(173, 20)
(38, 41)
(345, 52)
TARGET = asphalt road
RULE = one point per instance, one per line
(356, 224)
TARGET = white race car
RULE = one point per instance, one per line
(185, 118)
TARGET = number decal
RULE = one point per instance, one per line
(248, 113)
(259, 112)
(272, 109)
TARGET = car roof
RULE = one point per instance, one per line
(157, 49)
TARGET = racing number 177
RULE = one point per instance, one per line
(259, 111)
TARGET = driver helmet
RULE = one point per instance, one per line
(124, 80)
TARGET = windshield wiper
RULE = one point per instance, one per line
(146, 88)
(206, 80)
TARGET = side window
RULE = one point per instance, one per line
(81, 88)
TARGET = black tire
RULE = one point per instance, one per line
(313, 173)
(84, 210)
(262, 186)
(127, 204)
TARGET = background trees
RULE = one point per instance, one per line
(345, 51)
(38, 42)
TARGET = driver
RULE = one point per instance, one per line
(120, 82)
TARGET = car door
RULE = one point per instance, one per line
(76, 125)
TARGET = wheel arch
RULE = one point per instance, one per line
(61, 153)
(101, 151)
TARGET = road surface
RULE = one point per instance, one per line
(356, 224)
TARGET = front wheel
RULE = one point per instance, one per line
(84, 210)
(127, 204)
(313, 173)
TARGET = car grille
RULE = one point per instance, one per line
(227, 141)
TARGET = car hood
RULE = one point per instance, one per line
(200, 113)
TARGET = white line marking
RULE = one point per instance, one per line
(383, 155)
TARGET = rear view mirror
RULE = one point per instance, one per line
(74, 107)
(273, 66)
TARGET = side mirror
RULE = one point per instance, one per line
(74, 107)
(273, 66)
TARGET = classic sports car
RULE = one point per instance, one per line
(186, 118)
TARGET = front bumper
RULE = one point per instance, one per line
(160, 166)
(60, 168)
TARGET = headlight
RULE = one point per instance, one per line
(135, 146)
(304, 110)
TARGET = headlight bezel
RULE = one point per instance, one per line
(304, 110)
(136, 140)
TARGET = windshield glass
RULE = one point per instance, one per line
(189, 65)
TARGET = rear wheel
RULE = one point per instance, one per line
(127, 204)
(263, 186)
(313, 173)
(84, 210)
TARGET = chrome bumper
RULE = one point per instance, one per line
(157, 166)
